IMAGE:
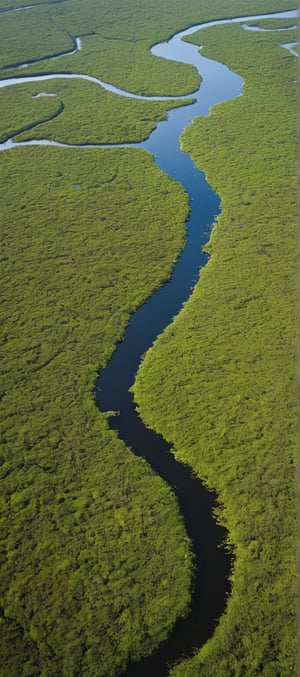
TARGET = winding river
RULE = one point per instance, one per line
(211, 585)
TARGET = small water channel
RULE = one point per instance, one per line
(211, 585)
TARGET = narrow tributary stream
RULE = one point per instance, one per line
(211, 584)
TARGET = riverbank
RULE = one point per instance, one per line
(90, 530)
(228, 360)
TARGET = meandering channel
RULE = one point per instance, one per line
(112, 389)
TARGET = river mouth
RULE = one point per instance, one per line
(212, 563)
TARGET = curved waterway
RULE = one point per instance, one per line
(210, 586)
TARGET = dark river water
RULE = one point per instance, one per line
(211, 585)
(211, 581)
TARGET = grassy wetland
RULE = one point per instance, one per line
(95, 562)
(222, 378)
(77, 109)
(83, 555)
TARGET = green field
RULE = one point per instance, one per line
(95, 562)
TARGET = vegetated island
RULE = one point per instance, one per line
(96, 565)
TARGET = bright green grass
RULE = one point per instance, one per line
(220, 383)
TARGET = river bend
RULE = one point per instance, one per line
(211, 585)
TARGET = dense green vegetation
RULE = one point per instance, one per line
(20, 42)
(95, 563)
(28, 111)
(273, 24)
(81, 556)
(220, 383)
(74, 113)
(115, 34)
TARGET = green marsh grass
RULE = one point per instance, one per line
(95, 562)
(220, 383)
